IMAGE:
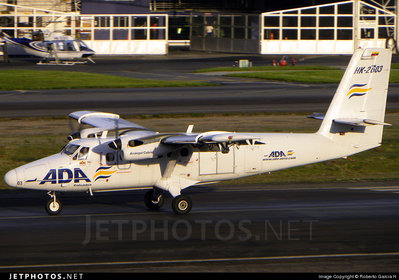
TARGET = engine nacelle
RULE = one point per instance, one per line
(143, 151)
(141, 145)
(138, 150)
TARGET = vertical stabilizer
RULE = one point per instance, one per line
(355, 117)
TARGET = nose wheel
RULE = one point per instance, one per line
(53, 206)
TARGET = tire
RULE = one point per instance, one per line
(53, 208)
(181, 205)
(148, 201)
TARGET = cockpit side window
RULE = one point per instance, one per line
(84, 151)
(70, 149)
(70, 46)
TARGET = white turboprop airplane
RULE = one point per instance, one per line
(138, 157)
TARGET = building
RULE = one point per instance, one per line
(238, 26)
(334, 28)
(107, 34)
(54, 5)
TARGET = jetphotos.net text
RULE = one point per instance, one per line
(98, 230)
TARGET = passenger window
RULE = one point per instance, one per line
(70, 47)
(135, 143)
(60, 46)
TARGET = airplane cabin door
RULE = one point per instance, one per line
(122, 164)
(225, 162)
(253, 159)
(207, 163)
(215, 162)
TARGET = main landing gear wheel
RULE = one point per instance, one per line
(53, 206)
(153, 202)
(181, 204)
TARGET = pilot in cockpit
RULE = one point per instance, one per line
(83, 153)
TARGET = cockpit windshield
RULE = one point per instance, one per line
(83, 46)
(70, 149)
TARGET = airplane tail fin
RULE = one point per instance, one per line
(355, 118)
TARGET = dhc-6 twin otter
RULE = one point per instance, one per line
(137, 157)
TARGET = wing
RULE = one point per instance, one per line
(209, 137)
(105, 121)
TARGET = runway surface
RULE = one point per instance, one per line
(232, 98)
(291, 228)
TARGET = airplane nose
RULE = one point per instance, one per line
(11, 178)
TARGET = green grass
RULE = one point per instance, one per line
(35, 80)
(264, 68)
(293, 74)
(309, 76)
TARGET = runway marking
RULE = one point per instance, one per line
(74, 215)
(179, 261)
(392, 189)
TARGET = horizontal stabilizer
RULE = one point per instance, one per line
(317, 116)
(359, 122)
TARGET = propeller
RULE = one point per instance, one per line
(116, 123)
(75, 133)
(117, 143)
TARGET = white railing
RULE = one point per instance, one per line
(336, 28)
(106, 34)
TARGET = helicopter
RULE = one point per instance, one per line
(52, 48)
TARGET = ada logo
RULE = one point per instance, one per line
(64, 176)
(277, 155)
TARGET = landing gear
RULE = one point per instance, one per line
(53, 206)
(181, 204)
(154, 199)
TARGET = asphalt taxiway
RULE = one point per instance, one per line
(232, 98)
(289, 228)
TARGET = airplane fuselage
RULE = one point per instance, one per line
(103, 168)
